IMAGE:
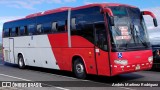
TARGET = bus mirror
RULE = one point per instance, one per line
(155, 22)
(108, 11)
(152, 15)
(112, 21)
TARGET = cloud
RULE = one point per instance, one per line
(70, 0)
(86, 2)
(154, 32)
(30, 4)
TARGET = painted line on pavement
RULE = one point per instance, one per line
(32, 81)
(79, 79)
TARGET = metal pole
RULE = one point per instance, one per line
(69, 27)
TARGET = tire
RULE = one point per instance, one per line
(79, 69)
(21, 62)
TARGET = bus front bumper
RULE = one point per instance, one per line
(119, 69)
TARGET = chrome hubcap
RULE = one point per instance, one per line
(79, 68)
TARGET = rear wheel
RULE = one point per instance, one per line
(21, 62)
(79, 69)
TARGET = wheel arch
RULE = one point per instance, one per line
(22, 56)
(82, 59)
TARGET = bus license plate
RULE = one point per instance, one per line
(138, 67)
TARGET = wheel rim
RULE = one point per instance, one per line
(20, 62)
(79, 68)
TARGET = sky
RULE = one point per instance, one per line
(14, 9)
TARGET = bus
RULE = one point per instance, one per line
(105, 39)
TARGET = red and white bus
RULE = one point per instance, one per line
(101, 39)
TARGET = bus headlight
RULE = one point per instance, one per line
(122, 62)
(150, 59)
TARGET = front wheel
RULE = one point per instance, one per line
(79, 69)
(21, 62)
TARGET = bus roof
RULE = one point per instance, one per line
(62, 9)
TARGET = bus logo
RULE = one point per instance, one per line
(6, 84)
(120, 55)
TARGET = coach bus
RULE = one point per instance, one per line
(105, 39)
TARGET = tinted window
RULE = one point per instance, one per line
(17, 32)
(86, 16)
(46, 27)
(13, 32)
(119, 11)
(6, 32)
(87, 32)
(21, 31)
(31, 30)
(54, 27)
(25, 30)
(10, 32)
(101, 36)
(39, 28)
(61, 26)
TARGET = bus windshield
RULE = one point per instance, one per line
(129, 31)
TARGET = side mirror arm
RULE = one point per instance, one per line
(152, 15)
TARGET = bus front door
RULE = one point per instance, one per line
(101, 49)
(11, 50)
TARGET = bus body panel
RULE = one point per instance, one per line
(103, 65)
(32, 48)
(50, 48)
(79, 47)
(135, 59)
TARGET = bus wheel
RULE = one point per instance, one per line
(79, 69)
(21, 62)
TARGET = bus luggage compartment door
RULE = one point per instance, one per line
(11, 50)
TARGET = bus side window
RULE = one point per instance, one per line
(31, 29)
(10, 32)
(46, 28)
(54, 27)
(101, 36)
(25, 30)
(66, 25)
(17, 31)
(61, 26)
(39, 28)
(73, 23)
(6, 32)
(21, 31)
(13, 32)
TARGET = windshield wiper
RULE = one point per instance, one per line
(127, 42)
